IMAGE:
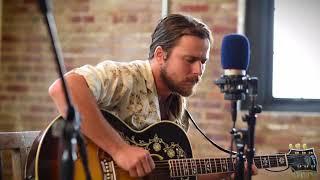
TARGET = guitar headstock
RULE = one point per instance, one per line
(303, 160)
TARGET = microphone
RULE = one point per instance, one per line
(235, 53)
(235, 58)
(235, 84)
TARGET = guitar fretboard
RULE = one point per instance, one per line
(192, 167)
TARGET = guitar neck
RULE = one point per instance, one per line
(191, 167)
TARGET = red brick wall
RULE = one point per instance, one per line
(91, 31)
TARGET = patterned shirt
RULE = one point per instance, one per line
(128, 91)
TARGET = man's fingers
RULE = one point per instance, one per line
(254, 170)
(133, 172)
(140, 169)
(146, 164)
(151, 162)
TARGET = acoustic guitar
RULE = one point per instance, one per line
(169, 147)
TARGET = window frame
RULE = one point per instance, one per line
(259, 16)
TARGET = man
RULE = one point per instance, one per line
(140, 93)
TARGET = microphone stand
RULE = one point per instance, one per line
(70, 129)
(250, 118)
(235, 88)
(238, 141)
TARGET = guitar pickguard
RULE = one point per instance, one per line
(163, 142)
(158, 147)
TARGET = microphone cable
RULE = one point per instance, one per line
(230, 152)
(207, 138)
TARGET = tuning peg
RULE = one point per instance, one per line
(297, 146)
(290, 146)
(304, 146)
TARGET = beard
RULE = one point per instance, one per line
(184, 88)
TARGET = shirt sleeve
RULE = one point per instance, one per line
(106, 81)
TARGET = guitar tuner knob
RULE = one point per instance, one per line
(297, 146)
(304, 146)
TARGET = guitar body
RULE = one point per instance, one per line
(164, 141)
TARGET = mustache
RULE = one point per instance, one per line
(193, 79)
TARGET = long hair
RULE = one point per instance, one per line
(171, 28)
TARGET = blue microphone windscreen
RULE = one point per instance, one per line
(235, 52)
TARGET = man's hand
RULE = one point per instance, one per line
(137, 161)
(254, 170)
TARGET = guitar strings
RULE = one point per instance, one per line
(165, 163)
(163, 167)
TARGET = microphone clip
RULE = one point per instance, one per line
(234, 87)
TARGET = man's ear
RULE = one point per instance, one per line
(160, 55)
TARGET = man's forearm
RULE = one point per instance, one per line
(94, 126)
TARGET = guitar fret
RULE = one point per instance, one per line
(180, 167)
(185, 167)
(230, 164)
(286, 159)
(273, 161)
(176, 168)
(194, 167)
(210, 165)
(207, 165)
(200, 166)
(277, 161)
(253, 160)
(220, 164)
(227, 164)
(203, 165)
(224, 165)
(170, 168)
(265, 162)
(215, 165)
(261, 161)
(256, 161)
(282, 161)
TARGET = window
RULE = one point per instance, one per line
(283, 35)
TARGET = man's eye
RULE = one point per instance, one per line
(190, 60)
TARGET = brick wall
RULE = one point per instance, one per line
(91, 31)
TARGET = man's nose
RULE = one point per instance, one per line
(198, 68)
